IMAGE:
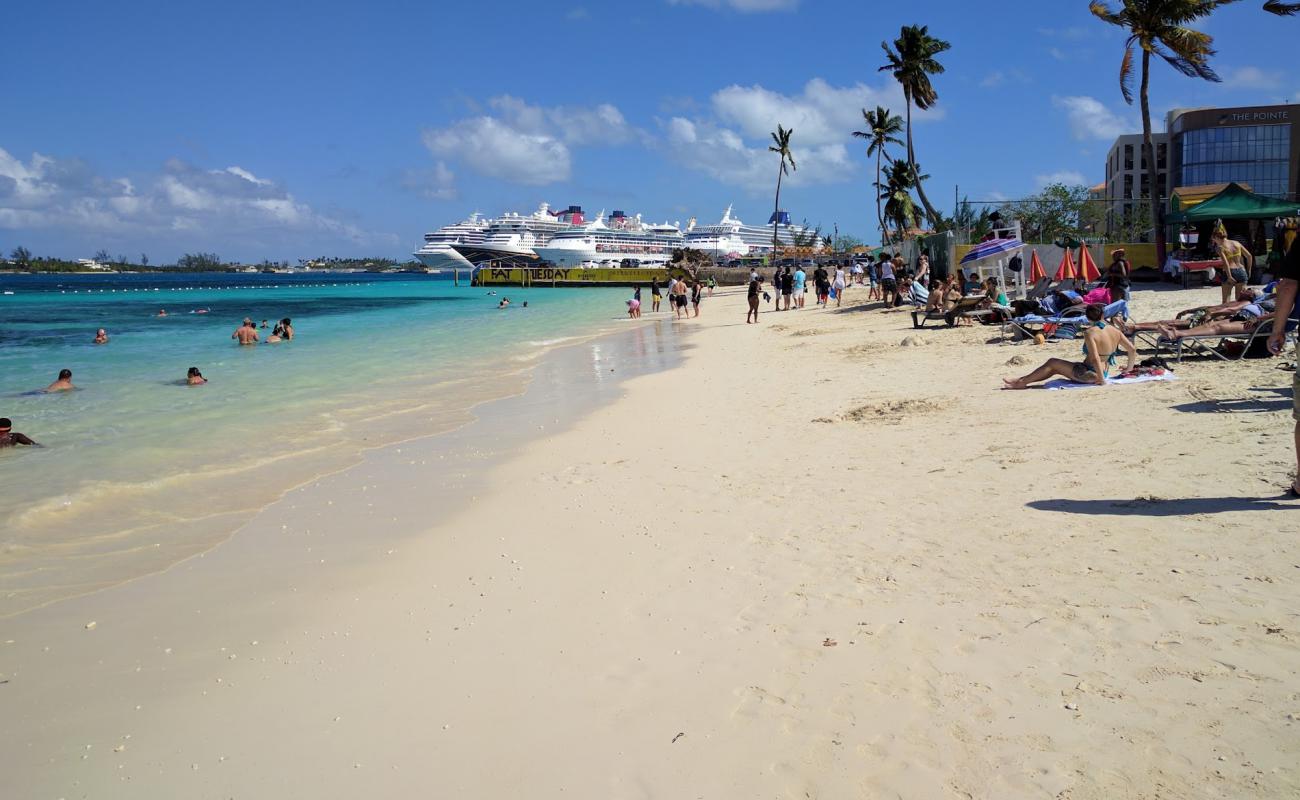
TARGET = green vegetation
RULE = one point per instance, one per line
(21, 258)
(882, 130)
(912, 61)
(780, 146)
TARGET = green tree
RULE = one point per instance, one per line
(780, 146)
(897, 194)
(882, 130)
(912, 61)
(144, 260)
(844, 242)
(1161, 28)
(1055, 212)
(102, 256)
(21, 256)
(976, 225)
(200, 262)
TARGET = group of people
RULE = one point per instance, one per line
(680, 292)
(246, 333)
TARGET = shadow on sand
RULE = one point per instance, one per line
(1159, 507)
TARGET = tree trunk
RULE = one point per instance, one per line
(1152, 171)
(880, 217)
(776, 208)
(911, 164)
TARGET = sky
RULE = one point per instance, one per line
(285, 130)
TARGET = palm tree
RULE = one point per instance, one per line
(897, 194)
(780, 146)
(1282, 9)
(882, 130)
(912, 61)
(1160, 27)
(21, 256)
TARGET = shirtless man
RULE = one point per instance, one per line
(1227, 327)
(10, 437)
(1100, 343)
(101, 336)
(1253, 306)
(63, 383)
(246, 333)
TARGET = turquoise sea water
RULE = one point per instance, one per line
(139, 470)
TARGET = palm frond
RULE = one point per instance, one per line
(1282, 9)
(1102, 12)
(1126, 74)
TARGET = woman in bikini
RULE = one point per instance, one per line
(1098, 339)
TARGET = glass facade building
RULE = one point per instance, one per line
(1256, 155)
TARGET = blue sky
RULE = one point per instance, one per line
(282, 130)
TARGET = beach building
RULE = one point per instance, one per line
(1254, 146)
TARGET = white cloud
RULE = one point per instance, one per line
(1252, 78)
(577, 12)
(745, 6)
(524, 143)
(724, 155)
(1058, 54)
(1090, 118)
(494, 148)
(65, 194)
(1069, 177)
(438, 183)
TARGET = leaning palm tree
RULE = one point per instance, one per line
(912, 61)
(882, 130)
(1282, 9)
(780, 146)
(1160, 28)
(896, 191)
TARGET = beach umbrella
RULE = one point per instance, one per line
(992, 247)
(1036, 271)
(1087, 267)
(1066, 271)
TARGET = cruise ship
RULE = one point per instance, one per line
(511, 239)
(731, 237)
(437, 251)
(623, 241)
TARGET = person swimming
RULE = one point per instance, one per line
(194, 377)
(101, 336)
(63, 383)
(505, 303)
(11, 438)
(162, 312)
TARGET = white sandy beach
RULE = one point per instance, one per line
(807, 563)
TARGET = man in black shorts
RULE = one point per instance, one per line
(787, 288)
(1288, 275)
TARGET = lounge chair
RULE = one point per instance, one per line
(1073, 314)
(965, 307)
(1208, 343)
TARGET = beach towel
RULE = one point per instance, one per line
(1062, 383)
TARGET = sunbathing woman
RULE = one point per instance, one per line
(1237, 311)
(1098, 339)
(1227, 327)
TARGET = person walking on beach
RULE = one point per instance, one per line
(800, 287)
(679, 298)
(787, 289)
(697, 289)
(712, 285)
(1236, 261)
(11, 438)
(1288, 305)
(63, 383)
(821, 282)
(839, 285)
(246, 333)
(654, 294)
(888, 283)
(755, 286)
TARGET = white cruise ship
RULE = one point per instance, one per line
(623, 241)
(513, 238)
(730, 237)
(438, 253)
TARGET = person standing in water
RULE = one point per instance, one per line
(11, 438)
(246, 333)
(697, 289)
(654, 294)
(63, 383)
(194, 377)
(101, 336)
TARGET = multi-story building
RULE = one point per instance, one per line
(1256, 146)
(1127, 182)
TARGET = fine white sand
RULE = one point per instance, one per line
(810, 562)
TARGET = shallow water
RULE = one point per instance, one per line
(139, 470)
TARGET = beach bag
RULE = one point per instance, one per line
(1016, 264)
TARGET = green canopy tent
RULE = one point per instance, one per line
(1236, 202)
